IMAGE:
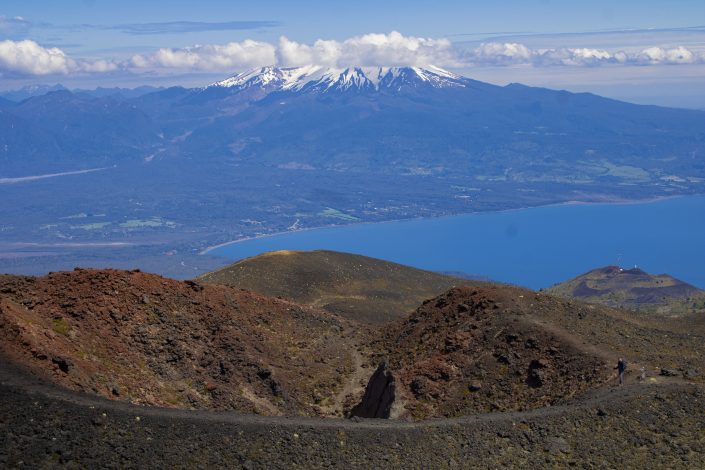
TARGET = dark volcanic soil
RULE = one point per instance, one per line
(637, 426)
(137, 338)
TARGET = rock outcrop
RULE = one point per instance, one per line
(379, 395)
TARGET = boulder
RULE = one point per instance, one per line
(379, 395)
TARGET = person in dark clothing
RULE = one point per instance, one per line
(621, 367)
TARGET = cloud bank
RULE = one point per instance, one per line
(26, 57)
(393, 49)
(515, 53)
(211, 58)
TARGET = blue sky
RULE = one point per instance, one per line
(648, 51)
(310, 20)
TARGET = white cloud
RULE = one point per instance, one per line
(496, 53)
(395, 49)
(322, 52)
(658, 55)
(367, 50)
(516, 53)
(577, 57)
(97, 66)
(213, 57)
(27, 58)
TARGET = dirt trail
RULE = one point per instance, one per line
(596, 349)
(635, 367)
(636, 426)
(14, 378)
(355, 383)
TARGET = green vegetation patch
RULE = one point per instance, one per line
(626, 172)
(151, 222)
(60, 326)
(335, 213)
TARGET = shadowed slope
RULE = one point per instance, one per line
(353, 286)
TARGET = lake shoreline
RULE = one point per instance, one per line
(209, 249)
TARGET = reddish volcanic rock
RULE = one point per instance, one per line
(150, 340)
(477, 349)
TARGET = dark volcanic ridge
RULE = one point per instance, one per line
(144, 339)
(634, 289)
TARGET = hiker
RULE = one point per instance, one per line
(621, 367)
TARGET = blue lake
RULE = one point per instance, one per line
(534, 247)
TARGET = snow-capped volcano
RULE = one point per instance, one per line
(322, 79)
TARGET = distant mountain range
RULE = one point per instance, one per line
(31, 91)
(397, 120)
(316, 79)
(275, 148)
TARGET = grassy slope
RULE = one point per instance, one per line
(353, 286)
